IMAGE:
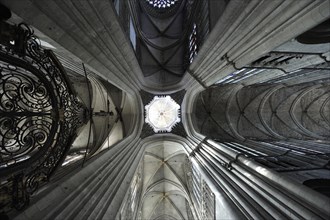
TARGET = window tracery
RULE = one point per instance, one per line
(162, 3)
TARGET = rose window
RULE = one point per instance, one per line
(161, 3)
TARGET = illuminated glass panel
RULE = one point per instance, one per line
(193, 43)
(161, 3)
(162, 113)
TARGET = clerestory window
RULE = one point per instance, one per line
(193, 43)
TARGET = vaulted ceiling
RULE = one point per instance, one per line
(165, 193)
(162, 29)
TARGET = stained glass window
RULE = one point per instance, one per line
(161, 3)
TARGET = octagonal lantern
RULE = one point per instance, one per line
(162, 114)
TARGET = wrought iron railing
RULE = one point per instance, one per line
(39, 115)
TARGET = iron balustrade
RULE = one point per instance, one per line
(39, 115)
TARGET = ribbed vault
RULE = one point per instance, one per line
(163, 29)
(264, 112)
(164, 193)
(243, 124)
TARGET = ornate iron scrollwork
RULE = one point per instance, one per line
(39, 115)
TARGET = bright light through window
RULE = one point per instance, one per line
(161, 3)
(162, 113)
